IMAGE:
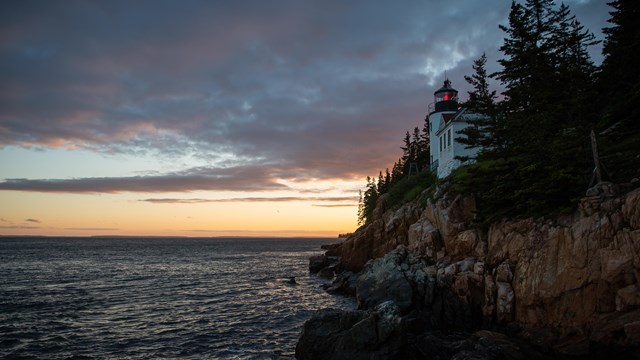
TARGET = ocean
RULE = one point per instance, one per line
(96, 298)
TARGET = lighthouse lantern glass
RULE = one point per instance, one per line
(445, 96)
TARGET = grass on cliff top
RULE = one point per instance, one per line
(409, 187)
(503, 191)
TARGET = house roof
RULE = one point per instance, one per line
(448, 119)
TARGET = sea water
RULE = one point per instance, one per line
(157, 297)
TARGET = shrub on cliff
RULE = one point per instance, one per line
(409, 188)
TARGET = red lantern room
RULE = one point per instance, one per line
(446, 98)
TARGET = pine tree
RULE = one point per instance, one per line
(425, 154)
(408, 155)
(382, 186)
(533, 142)
(483, 132)
(418, 146)
(367, 202)
(619, 81)
(397, 172)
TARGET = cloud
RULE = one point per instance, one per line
(321, 89)
(335, 205)
(251, 199)
(18, 227)
(91, 229)
(32, 220)
(247, 178)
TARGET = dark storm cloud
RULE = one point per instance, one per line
(322, 89)
(223, 179)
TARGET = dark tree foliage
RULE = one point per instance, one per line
(483, 132)
(534, 156)
(424, 157)
(534, 151)
(415, 151)
(367, 201)
(420, 141)
(397, 172)
(409, 153)
(619, 82)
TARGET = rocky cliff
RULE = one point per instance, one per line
(567, 285)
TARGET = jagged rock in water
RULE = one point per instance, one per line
(344, 283)
(317, 263)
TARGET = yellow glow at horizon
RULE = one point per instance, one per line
(125, 214)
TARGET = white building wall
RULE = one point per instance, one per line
(434, 124)
(444, 148)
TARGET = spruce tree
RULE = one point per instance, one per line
(483, 133)
(533, 159)
(619, 81)
(367, 202)
(425, 153)
(408, 154)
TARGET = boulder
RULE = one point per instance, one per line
(327, 273)
(344, 283)
(331, 249)
(318, 262)
(383, 280)
(325, 333)
(337, 334)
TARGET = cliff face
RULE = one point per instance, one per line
(566, 282)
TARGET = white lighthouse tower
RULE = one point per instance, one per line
(446, 119)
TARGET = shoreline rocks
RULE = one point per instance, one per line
(568, 286)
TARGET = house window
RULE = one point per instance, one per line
(449, 138)
(440, 143)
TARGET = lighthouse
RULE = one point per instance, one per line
(446, 98)
(446, 119)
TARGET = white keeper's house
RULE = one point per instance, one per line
(446, 119)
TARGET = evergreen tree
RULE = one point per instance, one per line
(424, 156)
(408, 155)
(397, 172)
(619, 81)
(387, 179)
(418, 146)
(382, 186)
(367, 202)
(361, 217)
(483, 132)
(528, 163)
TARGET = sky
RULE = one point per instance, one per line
(221, 118)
